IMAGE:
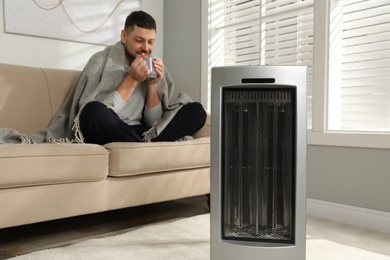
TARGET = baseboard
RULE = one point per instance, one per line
(355, 216)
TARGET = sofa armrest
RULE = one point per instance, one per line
(205, 130)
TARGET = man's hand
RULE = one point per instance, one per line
(139, 71)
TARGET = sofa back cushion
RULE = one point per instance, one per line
(59, 83)
(29, 97)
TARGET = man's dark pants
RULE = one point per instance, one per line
(101, 125)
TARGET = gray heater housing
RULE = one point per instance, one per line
(258, 162)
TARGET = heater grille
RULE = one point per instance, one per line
(258, 163)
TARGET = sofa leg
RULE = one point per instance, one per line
(208, 199)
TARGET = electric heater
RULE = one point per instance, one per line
(258, 163)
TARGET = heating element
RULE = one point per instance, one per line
(258, 162)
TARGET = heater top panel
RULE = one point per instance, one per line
(236, 75)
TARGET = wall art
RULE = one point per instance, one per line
(88, 21)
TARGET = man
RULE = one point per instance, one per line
(137, 102)
(113, 101)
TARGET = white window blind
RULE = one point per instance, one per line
(268, 32)
(365, 63)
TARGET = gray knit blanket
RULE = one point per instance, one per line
(98, 81)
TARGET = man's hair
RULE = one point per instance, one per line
(141, 19)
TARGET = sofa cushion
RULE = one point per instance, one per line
(40, 164)
(140, 158)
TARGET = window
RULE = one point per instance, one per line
(348, 60)
(263, 32)
(359, 87)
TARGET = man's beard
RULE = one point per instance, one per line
(130, 56)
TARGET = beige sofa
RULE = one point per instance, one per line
(40, 182)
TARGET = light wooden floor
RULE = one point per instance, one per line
(25, 239)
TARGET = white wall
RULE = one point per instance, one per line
(183, 45)
(349, 175)
(49, 53)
